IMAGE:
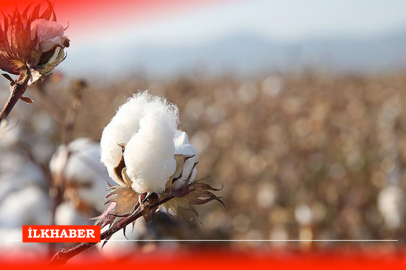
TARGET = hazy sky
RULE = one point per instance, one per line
(200, 22)
(283, 20)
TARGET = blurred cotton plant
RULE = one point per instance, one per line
(392, 206)
(32, 44)
(77, 167)
(150, 160)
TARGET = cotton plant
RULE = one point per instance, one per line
(32, 44)
(153, 164)
(78, 164)
(151, 160)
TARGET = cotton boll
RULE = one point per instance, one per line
(391, 205)
(146, 125)
(184, 147)
(147, 128)
(149, 155)
(59, 160)
(83, 166)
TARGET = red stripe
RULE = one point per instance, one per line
(87, 17)
(226, 259)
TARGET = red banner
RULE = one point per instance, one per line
(61, 234)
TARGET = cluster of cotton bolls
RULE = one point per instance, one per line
(146, 126)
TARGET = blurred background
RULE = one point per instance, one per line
(298, 108)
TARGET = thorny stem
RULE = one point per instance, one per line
(17, 89)
(62, 256)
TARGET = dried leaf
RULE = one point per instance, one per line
(194, 193)
(35, 12)
(152, 210)
(105, 241)
(27, 100)
(124, 229)
(48, 12)
(125, 198)
(25, 12)
(106, 218)
(8, 77)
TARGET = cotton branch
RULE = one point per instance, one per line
(62, 256)
(17, 90)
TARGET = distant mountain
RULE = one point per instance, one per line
(248, 54)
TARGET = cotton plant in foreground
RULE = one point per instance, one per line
(32, 44)
(152, 162)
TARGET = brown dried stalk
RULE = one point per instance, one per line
(62, 256)
(17, 90)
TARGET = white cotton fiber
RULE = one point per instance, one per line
(123, 125)
(149, 155)
(184, 147)
(147, 126)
